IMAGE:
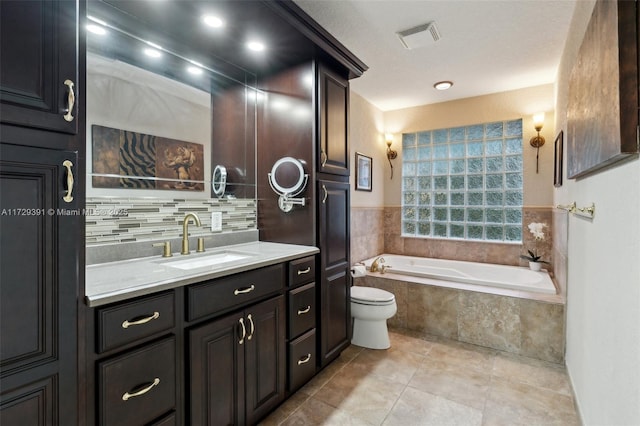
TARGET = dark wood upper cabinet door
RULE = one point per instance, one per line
(216, 372)
(265, 354)
(38, 285)
(335, 281)
(39, 47)
(333, 127)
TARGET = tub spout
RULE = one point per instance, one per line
(377, 265)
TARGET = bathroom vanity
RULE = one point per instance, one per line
(219, 337)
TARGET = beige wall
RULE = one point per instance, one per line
(538, 188)
(602, 274)
(366, 127)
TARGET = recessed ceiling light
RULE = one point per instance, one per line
(194, 70)
(443, 85)
(213, 21)
(256, 46)
(96, 29)
(153, 53)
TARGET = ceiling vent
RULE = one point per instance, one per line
(419, 36)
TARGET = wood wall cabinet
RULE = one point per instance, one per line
(333, 122)
(41, 244)
(39, 54)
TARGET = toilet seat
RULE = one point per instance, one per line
(371, 296)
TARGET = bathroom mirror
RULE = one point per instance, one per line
(160, 113)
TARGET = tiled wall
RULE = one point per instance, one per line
(560, 243)
(367, 232)
(473, 251)
(522, 326)
(112, 220)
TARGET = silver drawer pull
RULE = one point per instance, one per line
(141, 392)
(244, 331)
(245, 290)
(253, 328)
(304, 271)
(144, 320)
(71, 100)
(305, 310)
(304, 359)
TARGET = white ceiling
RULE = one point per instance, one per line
(486, 46)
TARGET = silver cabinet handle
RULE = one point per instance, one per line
(141, 321)
(245, 290)
(244, 331)
(326, 194)
(323, 158)
(71, 100)
(126, 396)
(304, 359)
(253, 329)
(304, 271)
(305, 310)
(68, 164)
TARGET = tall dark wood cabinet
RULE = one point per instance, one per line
(334, 291)
(40, 222)
(333, 212)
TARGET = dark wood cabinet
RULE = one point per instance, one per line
(335, 280)
(39, 66)
(38, 283)
(333, 122)
(237, 365)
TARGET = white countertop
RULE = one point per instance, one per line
(122, 280)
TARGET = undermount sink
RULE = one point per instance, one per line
(214, 259)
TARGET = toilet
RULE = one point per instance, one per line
(370, 309)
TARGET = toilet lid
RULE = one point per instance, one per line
(371, 295)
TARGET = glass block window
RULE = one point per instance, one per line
(464, 182)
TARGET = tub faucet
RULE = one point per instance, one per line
(185, 231)
(377, 265)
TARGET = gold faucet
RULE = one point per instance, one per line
(185, 231)
(377, 265)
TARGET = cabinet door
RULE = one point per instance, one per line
(216, 371)
(335, 281)
(333, 102)
(39, 267)
(39, 53)
(265, 353)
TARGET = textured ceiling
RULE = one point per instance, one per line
(486, 46)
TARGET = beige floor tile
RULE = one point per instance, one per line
(361, 394)
(285, 409)
(417, 408)
(513, 404)
(464, 385)
(318, 413)
(409, 341)
(455, 354)
(392, 364)
(533, 372)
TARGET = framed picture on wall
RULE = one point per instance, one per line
(363, 172)
(557, 163)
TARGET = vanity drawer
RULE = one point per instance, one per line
(128, 322)
(302, 309)
(139, 386)
(234, 291)
(302, 359)
(302, 271)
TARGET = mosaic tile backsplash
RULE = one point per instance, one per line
(118, 220)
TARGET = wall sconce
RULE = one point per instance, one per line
(391, 154)
(537, 141)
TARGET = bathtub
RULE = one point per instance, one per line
(482, 274)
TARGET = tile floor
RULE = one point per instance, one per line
(425, 381)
